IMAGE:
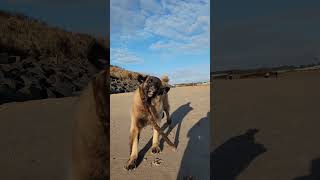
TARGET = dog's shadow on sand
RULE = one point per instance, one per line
(195, 160)
(176, 117)
(235, 155)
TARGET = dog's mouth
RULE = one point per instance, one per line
(151, 92)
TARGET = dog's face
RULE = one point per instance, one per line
(152, 86)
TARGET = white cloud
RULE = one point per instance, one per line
(125, 17)
(188, 75)
(150, 6)
(181, 25)
(194, 44)
(186, 26)
(123, 56)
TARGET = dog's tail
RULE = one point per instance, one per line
(165, 79)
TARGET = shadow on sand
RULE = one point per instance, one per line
(234, 156)
(195, 161)
(314, 171)
(176, 117)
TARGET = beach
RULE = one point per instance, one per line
(266, 128)
(190, 107)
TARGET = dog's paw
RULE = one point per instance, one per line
(131, 165)
(156, 150)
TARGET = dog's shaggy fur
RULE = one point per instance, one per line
(152, 92)
(91, 132)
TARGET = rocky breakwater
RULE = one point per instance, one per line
(36, 78)
(122, 80)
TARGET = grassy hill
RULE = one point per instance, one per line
(26, 36)
(40, 61)
(122, 80)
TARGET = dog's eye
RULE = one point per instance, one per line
(150, 81)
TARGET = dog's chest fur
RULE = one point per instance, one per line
(157, 106)
(157, 103)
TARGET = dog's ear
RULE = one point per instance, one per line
(166, 90)
(142, 78)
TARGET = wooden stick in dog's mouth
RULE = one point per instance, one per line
(156, 126)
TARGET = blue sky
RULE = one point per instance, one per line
(252, 34)
(162, 37)
(170, 36)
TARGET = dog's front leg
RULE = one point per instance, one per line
(134, 139)
(168, 116)
(155, 142)
(166, 109)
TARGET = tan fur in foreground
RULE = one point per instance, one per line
(90, 146)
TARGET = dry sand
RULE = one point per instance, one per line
(35, 139)
(286, 113)
(190, 107)
(35, 135)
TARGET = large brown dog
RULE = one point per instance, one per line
(91, 133)
(152, 93)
